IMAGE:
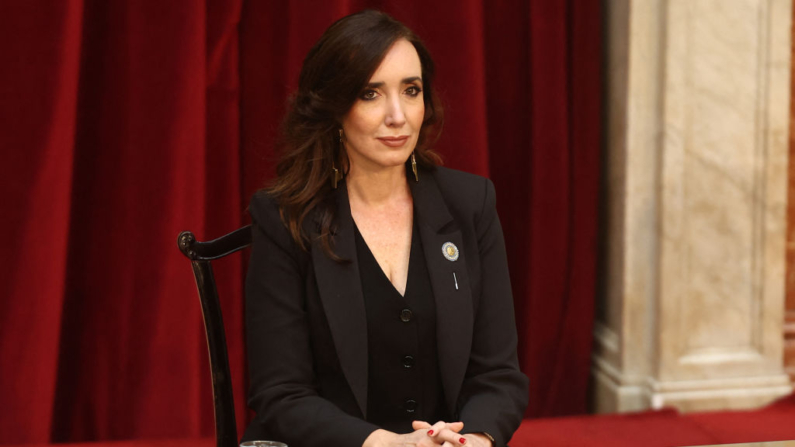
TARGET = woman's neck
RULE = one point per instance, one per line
(381, 187)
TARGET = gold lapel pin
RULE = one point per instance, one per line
(450, 251)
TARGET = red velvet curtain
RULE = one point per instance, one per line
(125, 122)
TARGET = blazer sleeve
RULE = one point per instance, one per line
(283, 389)
(494, 393)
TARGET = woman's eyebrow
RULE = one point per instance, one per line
(403, 81)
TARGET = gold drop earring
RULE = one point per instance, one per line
(414, 167)
(336, 175)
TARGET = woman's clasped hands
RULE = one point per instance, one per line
(445, 434)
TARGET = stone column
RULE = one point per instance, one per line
(691, 295)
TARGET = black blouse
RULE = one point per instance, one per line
(404, 383)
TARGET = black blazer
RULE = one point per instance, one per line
(307, 331)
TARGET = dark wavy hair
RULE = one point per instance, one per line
(335, 72)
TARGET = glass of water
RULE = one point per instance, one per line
(263, 444)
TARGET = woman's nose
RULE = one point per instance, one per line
(394, 114)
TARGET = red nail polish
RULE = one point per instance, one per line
(430, 432)
(462, 441)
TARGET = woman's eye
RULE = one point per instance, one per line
(369, 95)
(413, 90)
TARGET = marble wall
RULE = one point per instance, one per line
(691, 299)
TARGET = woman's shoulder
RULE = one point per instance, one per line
(264, 211)
(463, 190)
(264, 208)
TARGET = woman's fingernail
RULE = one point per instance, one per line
(430, 432)
(462, 441)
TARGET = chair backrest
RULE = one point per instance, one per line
(200, 255)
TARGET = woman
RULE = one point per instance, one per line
(377, 299)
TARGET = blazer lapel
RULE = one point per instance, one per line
(450, 283)
(340, 290)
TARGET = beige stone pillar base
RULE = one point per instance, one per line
(616, 393)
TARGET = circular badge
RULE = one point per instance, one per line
(450, 251)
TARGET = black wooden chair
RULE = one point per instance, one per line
(200, 255)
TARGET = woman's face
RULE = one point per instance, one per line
(381, 129)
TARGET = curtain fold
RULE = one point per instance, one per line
(38, 104)
(124, 123)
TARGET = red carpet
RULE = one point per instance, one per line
(663, 428)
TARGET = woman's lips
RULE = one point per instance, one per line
(394, 141)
